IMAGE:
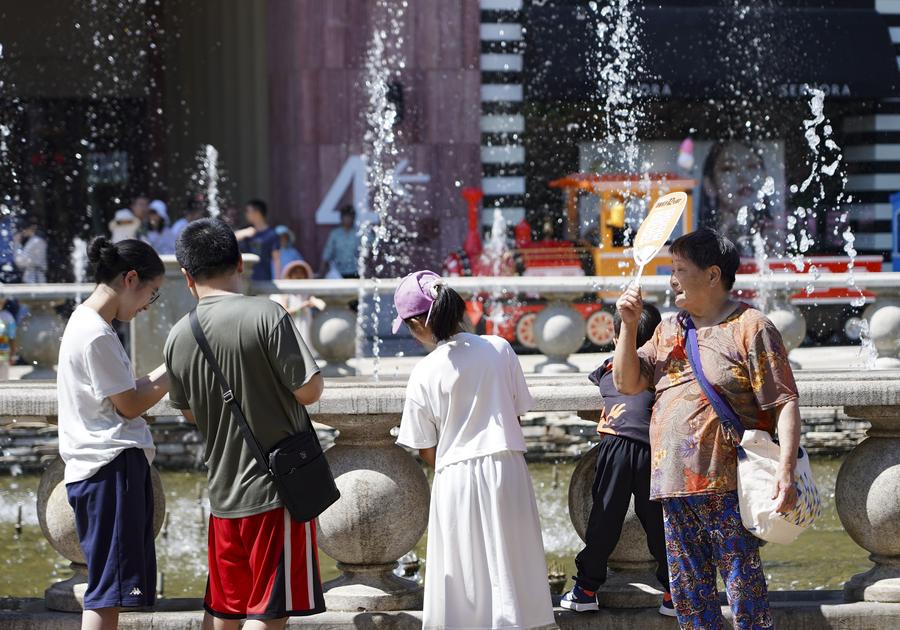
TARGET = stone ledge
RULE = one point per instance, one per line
(794, 610)
(359, 397)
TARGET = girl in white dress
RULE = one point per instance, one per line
(485, 559)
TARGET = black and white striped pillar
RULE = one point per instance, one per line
(502, 119)
(872, 153)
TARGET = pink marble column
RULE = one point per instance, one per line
(315, 53)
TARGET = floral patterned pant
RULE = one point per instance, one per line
(705, 533)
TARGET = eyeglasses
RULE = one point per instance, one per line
(153, 297)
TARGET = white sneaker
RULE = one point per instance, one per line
(667, 607)
(579, 601)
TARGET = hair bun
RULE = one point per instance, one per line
(102, 251)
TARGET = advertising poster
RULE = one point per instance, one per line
(740, 185)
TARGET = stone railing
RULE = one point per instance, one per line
(39, 334)
(559, 330)
(379, 480)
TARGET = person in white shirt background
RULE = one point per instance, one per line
(103, 440)
(486, 564)
(30, 253)
(124, 225)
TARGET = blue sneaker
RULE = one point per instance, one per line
(667, 607)
(578, 600)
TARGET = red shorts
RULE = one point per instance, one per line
(263, 566)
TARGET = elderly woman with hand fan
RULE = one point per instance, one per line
(693, 456)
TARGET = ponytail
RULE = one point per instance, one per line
(110, 260)
(447, 312)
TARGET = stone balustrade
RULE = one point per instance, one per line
(379, 480)
(559, 329)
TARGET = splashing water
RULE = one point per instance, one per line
(10, 201)
(619, 58)
(867, 350)
(814, 271)
(211, 176)
(207, 178)
(384, 59)
(763, 294)
(79, 259)
(817, 107)
(494, 259)
(825, 164)
(849, 240)
(496, 248)
(618, 25)
(797, 248)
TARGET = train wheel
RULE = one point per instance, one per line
(525, 331)
(600, 328)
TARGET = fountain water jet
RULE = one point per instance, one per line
(364, 459)
(211, 176)
(384, 59)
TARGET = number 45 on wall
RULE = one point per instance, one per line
(353, 174)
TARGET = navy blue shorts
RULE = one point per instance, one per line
(114, 520)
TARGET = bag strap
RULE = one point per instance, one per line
(227, 394)
(723, 409)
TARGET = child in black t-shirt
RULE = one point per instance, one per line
(623, 470)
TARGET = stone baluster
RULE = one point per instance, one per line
(39, 337)
(884, 328)
(333, 336)
(790, 323)
(868, 504)
(57, 521)
(631, 582)
(381, 515)
(559, 331)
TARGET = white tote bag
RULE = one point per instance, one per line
(757, 469)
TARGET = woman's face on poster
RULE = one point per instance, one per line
(737, 177)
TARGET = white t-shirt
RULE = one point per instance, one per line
(465, 398)
(93, 365)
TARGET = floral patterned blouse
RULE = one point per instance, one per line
(745, 360)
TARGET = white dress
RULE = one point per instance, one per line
(485, 565)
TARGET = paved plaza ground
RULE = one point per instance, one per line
(814, 358)
(794, 610)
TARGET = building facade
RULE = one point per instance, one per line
(107, 101)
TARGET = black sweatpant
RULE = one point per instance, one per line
(623, 469)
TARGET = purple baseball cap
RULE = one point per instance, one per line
(413, 296)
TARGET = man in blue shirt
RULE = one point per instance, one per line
(260, 238)
(342, 247)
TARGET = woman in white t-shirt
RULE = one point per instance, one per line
(103, 440)
(486, 565)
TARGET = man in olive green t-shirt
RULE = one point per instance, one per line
(257, 553)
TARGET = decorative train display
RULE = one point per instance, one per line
(602, 250)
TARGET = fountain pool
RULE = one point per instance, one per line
(29, 564)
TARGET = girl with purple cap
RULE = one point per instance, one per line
(486, 566)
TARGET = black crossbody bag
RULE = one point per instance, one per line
(296, 465)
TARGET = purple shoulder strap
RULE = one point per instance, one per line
(724, 411)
